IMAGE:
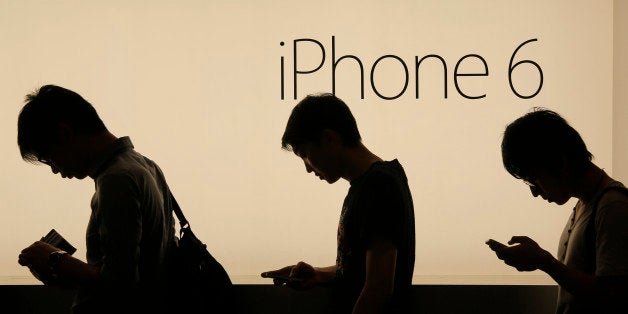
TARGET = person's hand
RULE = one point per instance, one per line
(35, 257)
(522, 253)
(300, 276)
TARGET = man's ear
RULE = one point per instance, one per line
(568, 171)
(330, 137)
(63, 133)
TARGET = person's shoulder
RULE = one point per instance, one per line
(385, 172)
(616, 189)
(129, 164)
(117, 173)
(616, 194)
(390, 168)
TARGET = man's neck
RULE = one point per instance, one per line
(96, 144)
(594, 180)
(358, 160)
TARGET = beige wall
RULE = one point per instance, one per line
(620, 90)
(196, 84)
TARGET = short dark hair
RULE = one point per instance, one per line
(542, 140)
(315, 113)
(44, 109)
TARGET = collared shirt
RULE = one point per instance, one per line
(130, 229)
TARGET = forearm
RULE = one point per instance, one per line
(372, 299)
(381, 260)
(325, 274)
(575, 282)
(607, 292)
(74, 272)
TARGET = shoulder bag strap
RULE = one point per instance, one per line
(177, 210)
(590, 228)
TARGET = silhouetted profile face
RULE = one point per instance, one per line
(550, 186)
(65, 161)
(542, 149)
(55, 127)
(319, 130)
(320, 159)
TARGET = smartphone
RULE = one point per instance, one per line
(493, 244)
(55, 239)
(285, 278)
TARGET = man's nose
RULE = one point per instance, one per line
(307, 167)
(535, 191)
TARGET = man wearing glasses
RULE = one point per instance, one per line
(591, 267)
(131, 226)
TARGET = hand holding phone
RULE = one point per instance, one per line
(287, 275)
(282, 277)
(52, 238)
(495, 245)
(55, 239)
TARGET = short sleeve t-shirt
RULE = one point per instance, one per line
(378, 206)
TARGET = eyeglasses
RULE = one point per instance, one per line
(529, 181)
(44, 161)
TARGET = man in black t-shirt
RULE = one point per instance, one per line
(376, 237)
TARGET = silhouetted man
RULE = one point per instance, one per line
(376, 238)
(131, 227)
(544, 151)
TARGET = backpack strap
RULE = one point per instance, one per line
(590, 231)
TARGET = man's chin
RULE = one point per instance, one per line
(558, 202)
(73, 176)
